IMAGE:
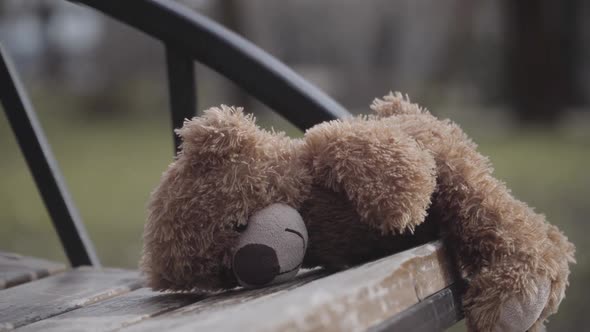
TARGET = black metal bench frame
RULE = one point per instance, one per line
(187, 37)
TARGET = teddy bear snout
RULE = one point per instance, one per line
(256, 264)
(271, 247)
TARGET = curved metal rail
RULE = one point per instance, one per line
(209, 43)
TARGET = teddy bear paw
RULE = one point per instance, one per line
(519, 315)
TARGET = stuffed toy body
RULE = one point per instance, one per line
(241, 205)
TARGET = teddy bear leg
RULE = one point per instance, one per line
(506, 251)
(509, 249)
(381, 171)
(506, 247)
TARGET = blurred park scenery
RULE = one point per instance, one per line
(514, 75)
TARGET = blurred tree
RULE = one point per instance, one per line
(129, 69)
(541, 58)
(52, 58)
(229, 14)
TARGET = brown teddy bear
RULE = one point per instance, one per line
(242, 205)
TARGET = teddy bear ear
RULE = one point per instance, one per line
(395, 103)
(219, 133)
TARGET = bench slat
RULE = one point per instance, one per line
(37, 300)
(16, 269)
(222, 302)
(142, 304)
(354, 299)
(114, 313)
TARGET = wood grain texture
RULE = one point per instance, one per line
(54, 295)
(223, 301)
(115, 313)
(351, 300)
(16, 269)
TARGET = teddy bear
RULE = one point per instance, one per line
(241, 205)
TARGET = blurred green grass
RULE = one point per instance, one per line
(110, 168)
(111, 165)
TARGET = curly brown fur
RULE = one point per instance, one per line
(338, 239)
(227, 169)
(382, 171)
(501, 244)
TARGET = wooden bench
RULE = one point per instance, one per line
(412, 290)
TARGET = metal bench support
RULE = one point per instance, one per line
(435, 313)
(42, 164)
(181, 89)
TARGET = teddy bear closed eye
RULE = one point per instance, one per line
(242, 205)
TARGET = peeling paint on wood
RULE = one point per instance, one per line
(54, 295)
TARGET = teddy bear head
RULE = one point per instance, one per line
(229, 179)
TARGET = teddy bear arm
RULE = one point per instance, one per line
(382, 172)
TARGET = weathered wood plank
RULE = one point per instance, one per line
(223, 301)
(141, 304)
(16, 269)
(114, 313)
(40, 299)
(351, 300)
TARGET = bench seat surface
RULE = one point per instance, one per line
(16, 269)
(412, 287)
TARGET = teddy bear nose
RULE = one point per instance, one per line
(256, 264)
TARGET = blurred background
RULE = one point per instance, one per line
(514, 74)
